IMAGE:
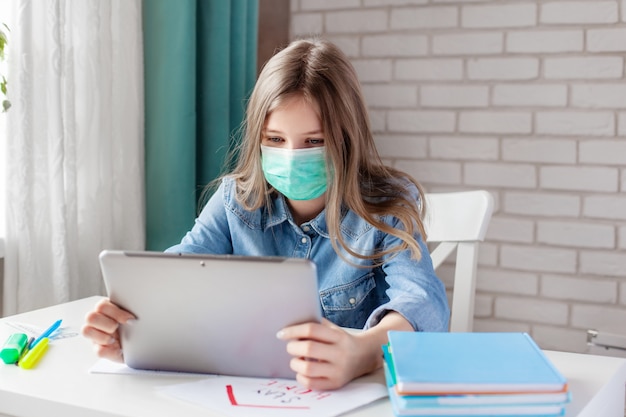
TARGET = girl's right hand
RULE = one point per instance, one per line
(102, 327)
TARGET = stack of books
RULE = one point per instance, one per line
(471, 374)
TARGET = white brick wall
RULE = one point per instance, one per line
(621, 129)
(421, 121)
(482, 175)
(372, 70)
(454, 96)
(585, 289)
(526, 99)
(459, 147)
(429, 69)
(537, 205)
(580, 12)
(502, 68)
(522, 95)
(467, 44)
(423, 17)
(542, 41)
(584, 67)
(508, 15)
(575, 123)
(579, 178)
(495, 122)
(395, 45)
(560, 151)
(559, 338)
(603, 96)
(390, 96)
(576, 234)
(606, 40)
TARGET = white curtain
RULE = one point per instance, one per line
(75, 146)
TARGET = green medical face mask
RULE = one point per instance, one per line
(299, 174)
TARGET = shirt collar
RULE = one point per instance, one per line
(280, 213)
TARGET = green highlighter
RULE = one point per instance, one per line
(13, 348)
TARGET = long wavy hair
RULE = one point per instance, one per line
(319, 71)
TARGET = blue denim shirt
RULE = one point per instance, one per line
(350, 296)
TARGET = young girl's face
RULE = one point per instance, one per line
(293, 156)
(293, 125)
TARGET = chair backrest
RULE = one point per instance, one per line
(459, 220)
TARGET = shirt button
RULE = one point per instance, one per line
(303, 240)
(352, 300)
(306, 228)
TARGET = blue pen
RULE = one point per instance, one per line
(47, 333)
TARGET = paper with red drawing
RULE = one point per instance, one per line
(260, 397)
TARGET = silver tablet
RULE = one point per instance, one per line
(215, 314)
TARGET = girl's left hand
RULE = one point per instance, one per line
(327, 357)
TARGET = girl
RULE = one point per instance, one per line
(309, 183)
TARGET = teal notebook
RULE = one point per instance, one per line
(460, 405)
(426, 363)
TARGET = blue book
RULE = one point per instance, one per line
(535, 404)
(428, 363)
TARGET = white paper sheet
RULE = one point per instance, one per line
(105, 366)
(262, 397)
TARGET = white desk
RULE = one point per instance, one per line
(61, 385)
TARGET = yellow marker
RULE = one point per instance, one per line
(32, 357)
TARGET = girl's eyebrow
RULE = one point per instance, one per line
(273, 131)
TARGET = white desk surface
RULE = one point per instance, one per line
(61, 384)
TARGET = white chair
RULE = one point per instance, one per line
(459, 220)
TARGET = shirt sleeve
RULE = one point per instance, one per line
(414, 289)
(211, 232)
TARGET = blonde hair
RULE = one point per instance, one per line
(319, 71)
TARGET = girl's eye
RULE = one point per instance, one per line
(273, 139)
(316, 141)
